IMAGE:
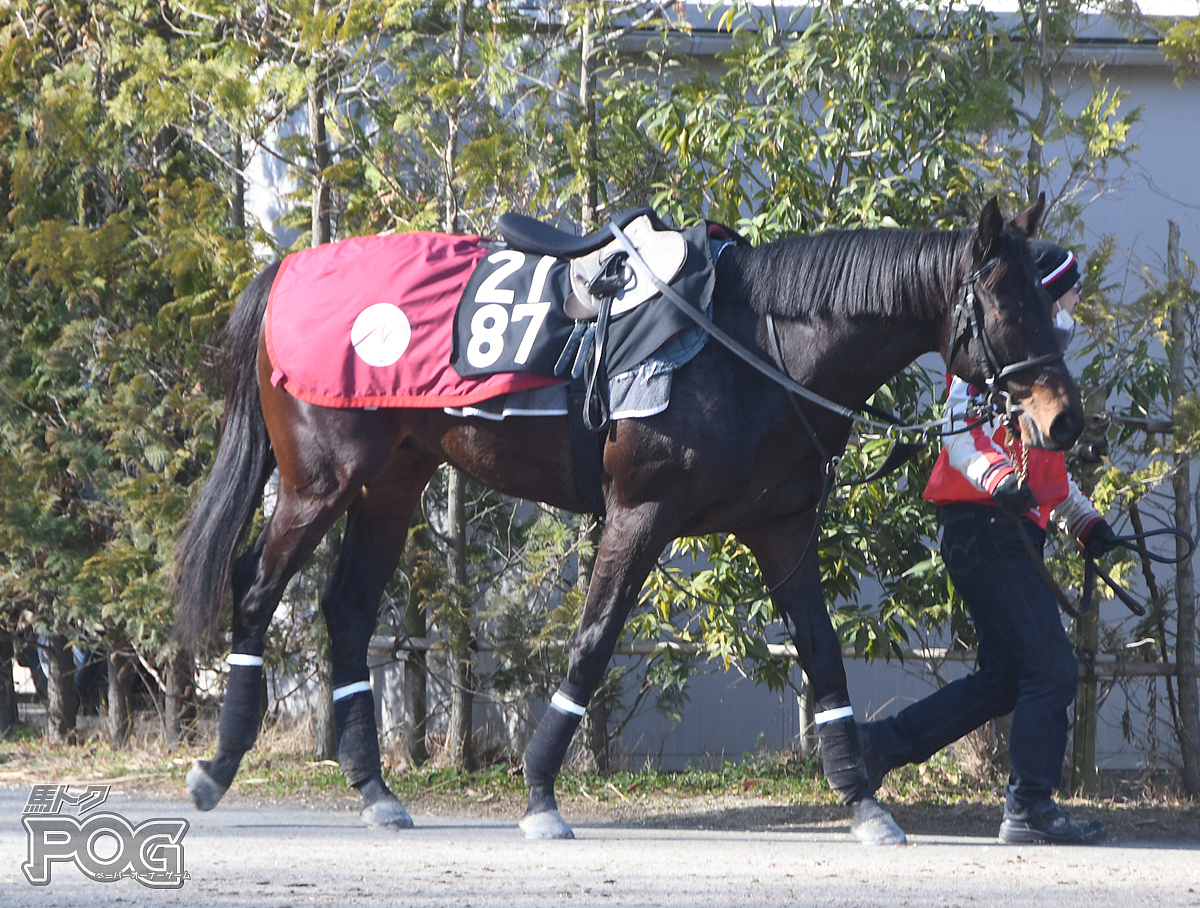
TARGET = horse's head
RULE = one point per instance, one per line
(1000, 335)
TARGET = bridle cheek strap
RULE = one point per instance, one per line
(970, 306)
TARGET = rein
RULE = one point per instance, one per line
(786, 382)
(1091, 568)
(778, 374)
(1133, 543)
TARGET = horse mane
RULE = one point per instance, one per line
(881, 272)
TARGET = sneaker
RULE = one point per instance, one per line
(875, 768)
(1056, 827)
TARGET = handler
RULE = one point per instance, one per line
(1025, 665)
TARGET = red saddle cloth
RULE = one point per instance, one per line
(369, 321)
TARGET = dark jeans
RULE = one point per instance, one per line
(1026, 665)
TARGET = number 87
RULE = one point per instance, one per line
(488, 325)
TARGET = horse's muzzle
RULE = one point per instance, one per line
(1065, 430)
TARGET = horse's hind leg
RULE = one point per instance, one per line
(302, 516)
(376, 530)
(798, 597)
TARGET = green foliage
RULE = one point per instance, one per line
(1126, 374)
(119, 267)
(1181, 45)
(839, 115)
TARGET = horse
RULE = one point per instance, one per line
(734, 452)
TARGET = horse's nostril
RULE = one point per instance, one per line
(1066, 429)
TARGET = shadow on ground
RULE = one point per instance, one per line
(970, 818)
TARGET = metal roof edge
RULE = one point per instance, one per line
(1099, 40)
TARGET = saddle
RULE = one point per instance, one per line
(526, 234)
(599, 268)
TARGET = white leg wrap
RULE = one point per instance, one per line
(832, 715)
(560, 701)
(349, 690)
(243, 659)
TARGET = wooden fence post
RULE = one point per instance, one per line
(1087, 640)
(416, 684)
(808, 722)
(1185, 580)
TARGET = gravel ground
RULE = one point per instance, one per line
(299, 854)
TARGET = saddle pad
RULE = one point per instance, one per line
(636, 394)
(368, 322)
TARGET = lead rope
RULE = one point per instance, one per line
(1014, 446)
(1019, 454)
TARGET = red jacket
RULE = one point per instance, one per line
(973, 463)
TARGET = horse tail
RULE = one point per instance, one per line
(223, 512)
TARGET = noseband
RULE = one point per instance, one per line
(968, 313)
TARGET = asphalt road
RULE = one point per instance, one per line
(270, 857)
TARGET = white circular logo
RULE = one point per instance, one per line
(380, 334)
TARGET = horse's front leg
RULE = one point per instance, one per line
(633, 539)
(796, 592)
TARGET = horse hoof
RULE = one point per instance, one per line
(872, 825)
(206, 793)
(546, 825)
(388, 813)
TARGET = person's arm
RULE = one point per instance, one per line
(1079, 517)
(974, 454)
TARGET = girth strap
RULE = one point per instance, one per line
(587, 448)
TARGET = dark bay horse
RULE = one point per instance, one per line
(730, 454)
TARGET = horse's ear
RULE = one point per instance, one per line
(1029, 220)
(987, 234)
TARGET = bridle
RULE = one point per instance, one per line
(968, 313)
(971, 309)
